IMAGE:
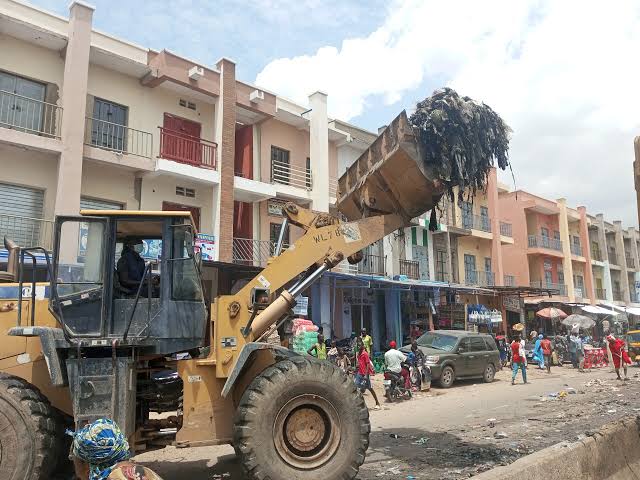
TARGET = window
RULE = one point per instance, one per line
(464, 345)
(21, 107)
(484, 217)
(441, 266)
(579, 281)
(547, 264)
(487, 264)
(280, 165)
(548, 278)
(185, 279)
(544, 232)
(274, 233)
(466, 209)
(478, 345)
(576, 240)
(491, 343)
(556, 235)
(470, 269)
(109, 125)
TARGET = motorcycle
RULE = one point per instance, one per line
(394, 388)
(419, 374)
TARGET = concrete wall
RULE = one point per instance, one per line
(102, 182)
(514, 257)
(478, 247)
(287, 137)
(346, 155)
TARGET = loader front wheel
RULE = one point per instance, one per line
(27, 431)
(299, 419)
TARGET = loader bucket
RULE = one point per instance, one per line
(389, 177)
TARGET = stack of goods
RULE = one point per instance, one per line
(305, 335)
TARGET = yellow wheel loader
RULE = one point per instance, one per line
(171, 369)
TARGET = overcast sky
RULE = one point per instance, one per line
(563, 74)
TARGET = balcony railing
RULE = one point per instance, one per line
(578, 292)
(601, 293)
(410, 268)
(29, 115)
(247, 251)
(476, 222)
(576, 249)
(183, 148)
(560, 287)
(506, 229)
(118, 138)
(26, 231)
(509, 280)
(285, 174)
(333, 187)
(617, 295)
(596, 255)
(372, 264)
(614, 258)
(537, 241)
(631, 263)
(633, 296)
(479, 278)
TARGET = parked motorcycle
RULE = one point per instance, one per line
(394, 388)
(419, 373)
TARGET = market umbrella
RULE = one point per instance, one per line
(551, 312)
(578, 320)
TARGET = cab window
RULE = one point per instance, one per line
(185, 281)
(478, 345)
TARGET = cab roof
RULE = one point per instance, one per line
(151, 214)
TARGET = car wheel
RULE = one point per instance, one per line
(489, 373)
(447, 377)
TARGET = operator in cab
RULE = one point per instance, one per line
(131, 266)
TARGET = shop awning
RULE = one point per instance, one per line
(627, 310)
(598, 310)
(374, 281)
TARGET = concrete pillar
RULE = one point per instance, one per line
(450, 265)
(432, 256)
(636, 174)
(319, 151)
(622, 258)
(586, 252)
(226, 139)
(567, 264)
(74, 102)
(633, 233)
(604, 251)
(494, 213)
(325, 307)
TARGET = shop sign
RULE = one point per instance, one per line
(302, 306)
(207, 246)
(512, 303)
(274, 208)
(358, 299)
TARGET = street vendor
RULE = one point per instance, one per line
(619, 355)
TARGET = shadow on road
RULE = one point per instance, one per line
(223, 467)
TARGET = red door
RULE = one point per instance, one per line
(181, 140)
(177, 207)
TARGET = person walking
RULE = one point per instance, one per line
(578, 347)
(364, 372)
(518, 360)
(547, 351)
(619, 355)
(572, 346)
(537, 352)
(367, 340)
(320, 349)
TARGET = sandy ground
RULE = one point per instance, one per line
(447, 434)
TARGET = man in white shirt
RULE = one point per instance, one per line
(393, 360)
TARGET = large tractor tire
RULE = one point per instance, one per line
(300, 419)
(28, 430)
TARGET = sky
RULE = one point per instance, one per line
(563, 74)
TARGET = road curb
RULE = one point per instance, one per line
(612, 453)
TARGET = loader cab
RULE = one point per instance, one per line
(161, 313)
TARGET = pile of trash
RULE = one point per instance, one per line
(305, 335)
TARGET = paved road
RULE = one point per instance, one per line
(454, 420)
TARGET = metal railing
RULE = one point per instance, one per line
(479, 278)
(614, 258)
(577, 292)
(560, 287)
(633, 296)
(631, 263)
(509, 280)
(537, 241)
(26, 231)
(601, 293)
(333, 187)
(346, 267)
(247, 251)
(183, 148)
(118, 138)
(442, 276)
(506, 229)
(372, 264)
(410, 268)
(617, 295)
(285, 174)
(596, 254)
(476, 222)
(33, 116)
(576, 249)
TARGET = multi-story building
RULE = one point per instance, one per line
(92, 121)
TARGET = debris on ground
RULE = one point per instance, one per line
(500, 435)
(421, 441)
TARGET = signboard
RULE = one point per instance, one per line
(207, 246)
(512, 303)
(274, 208)
(302, 306)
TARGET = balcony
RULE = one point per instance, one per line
(614, 258)
(633, 296)
(372, 265)
(333, 187)
(601, 293)
(509, 281)
(631, 263)
(117, 138)
(28, 115)
(479, 278)
(576, 249)
(476, 222)
(596, 255)
(561, 288)
(247, 251)
(578, 293)
(410, 268)
(537, 241)
(27, 232)
(617, 295)
(506, 229)
(285, 174)
(187, 149)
